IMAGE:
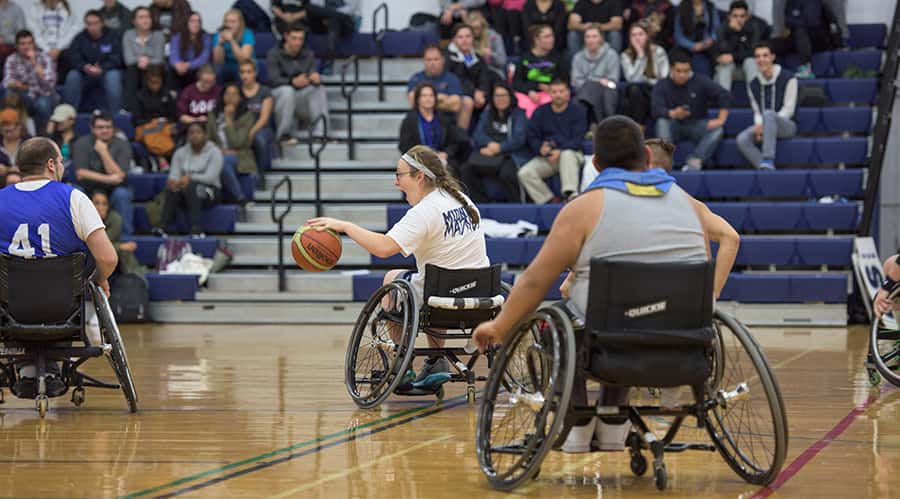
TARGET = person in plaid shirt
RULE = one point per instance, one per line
(30, 72)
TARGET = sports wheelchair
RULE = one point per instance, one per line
(647, 325)
(884, 348)
(42, 313)
(382, 346)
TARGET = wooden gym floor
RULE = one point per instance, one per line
(261, 411)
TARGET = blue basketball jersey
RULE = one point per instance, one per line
(38, 224)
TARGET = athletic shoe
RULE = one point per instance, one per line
(767, 164)
(407, 381)
(579, 439)
(433, 366)
(804, 71)
(611, 437)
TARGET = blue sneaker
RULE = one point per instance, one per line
(804, 71)
(407, 383)
(432, 381)
(767, 164)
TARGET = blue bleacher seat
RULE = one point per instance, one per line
(851, 150)
(546, 215)
(361, 44)
(763, 288)
(833, 251)
(123, 122)
(860, 90)
(776, 216)
(83, 124)
(738, 120)
(509, 251)
(264, 42)
(510, 213)
(682, 150)
(847, 119)
(837, 216)
(728, 154)
(397, 260)
(146, 186)
(691, 182)
(867, 60)
(216, 220)
(365, 285)
(739, 96)
(785, 183)
(821, 63)
(795, 151)
(836, 182)
(867, 35)
(730, 184)
(394, 213)
(828, 288)
(262, 71)
(734, 213)
(807, 119)
(406, 43)
(172, 287)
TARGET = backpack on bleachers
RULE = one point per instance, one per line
(171, 250)
(129, 298)
(811, 96)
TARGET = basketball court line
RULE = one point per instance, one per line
(368, 464)
(320, 447)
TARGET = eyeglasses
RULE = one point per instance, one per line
(400, 174)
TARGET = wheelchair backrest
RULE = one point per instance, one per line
(631, 296)
(41, 290)
(459, 283)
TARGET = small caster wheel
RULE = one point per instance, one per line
(41, 403)
(78, 396)
(874, 377)
(638, 464)
(660, 478)
(439, 394)
(470, 395)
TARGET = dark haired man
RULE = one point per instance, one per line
(31, 73)
(297, 86)
(96, 60)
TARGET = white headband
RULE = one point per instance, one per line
(418, 166)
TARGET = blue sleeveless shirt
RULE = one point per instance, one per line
(38, 223)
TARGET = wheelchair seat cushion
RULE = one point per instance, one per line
(661, 367)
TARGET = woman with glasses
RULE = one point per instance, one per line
(441, 228)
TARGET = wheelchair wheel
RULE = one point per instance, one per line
(109, 331)
(375, 363)
(718, 366)
(748, 425)
(517, 428)
(884, 353)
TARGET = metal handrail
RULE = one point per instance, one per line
(279, 219)
(317, 144)
(378, 34)
(882, 128)
(348, 96)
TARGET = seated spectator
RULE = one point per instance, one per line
(30, 73)
(334, 19)
(424, 125)
(170, 16)
(680, 104)
(736, 40)
(488, 44)
(96, 60)
(606, 14)
(506, 17)
(116, 17)
(229, 128)
(455, 12)
(537, 68)
(286, 13)
(153, 101)
(128, 262)
(141, 48)
(450, 97)
(101, 162)
(556, 139)
(61, 129)
(13, 100)
(258, 98)
(11, 132)
(595, 73)
(696, 28)
(804, 28)
(659, 17)
(643, 64)
(12, 20)
(550, 13)
(194, 180)
(473, 73)
(232, 44)
(501, 147)
(54, 26)
(773, 98)
(299, 94)
(199, 98)
(189, 50)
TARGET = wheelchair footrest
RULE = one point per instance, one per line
(683, 446)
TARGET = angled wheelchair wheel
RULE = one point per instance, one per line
(516, 428)
(109, 331)
(381, 345)
(718, 356)
(884, 353)
(748, 424)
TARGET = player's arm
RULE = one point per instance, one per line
(718, 230)
(890, 284)
(377, 244)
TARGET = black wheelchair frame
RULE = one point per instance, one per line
(42, 312)
(472, 295)
(538, 364)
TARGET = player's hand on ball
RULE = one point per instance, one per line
(486, 335)
(323, 223)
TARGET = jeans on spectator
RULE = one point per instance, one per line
(120, 199)
(262, 142)
(725, 72)
(77, 84)
(332, 23)
(196, 197)
(533, 173)
(231, 186)
(41, 108)
(291, 103)
(506, 174)
(601, 99)
(575, 41)
(695, 131)
(774, 127)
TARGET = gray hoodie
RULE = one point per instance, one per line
(592, 67)
(283, 67)
(205, 167)
(634, 71)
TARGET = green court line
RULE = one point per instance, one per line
(275, 452)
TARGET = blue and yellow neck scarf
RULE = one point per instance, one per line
(649, 183)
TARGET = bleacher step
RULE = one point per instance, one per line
(346, 164)
(395, 95)
(263, 250)
(336, 187)
(340, 152)
(257, 285)
(394, 65)
(367, 215)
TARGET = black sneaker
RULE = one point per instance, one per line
(24, 388)
(55, 385)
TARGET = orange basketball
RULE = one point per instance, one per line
(315, 250)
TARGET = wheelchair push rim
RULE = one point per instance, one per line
(374, 359)
(517, 428)
(884, 351)
(109, 330)
(748, 424)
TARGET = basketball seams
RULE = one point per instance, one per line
(308, 262)
(322, 246)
